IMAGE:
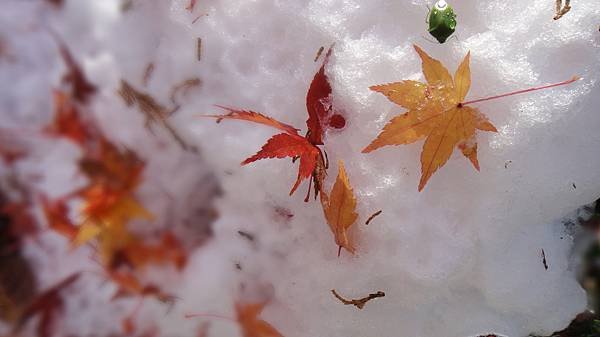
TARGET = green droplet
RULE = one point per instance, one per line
(442, 21)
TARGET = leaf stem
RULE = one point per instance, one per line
(194, 315)
(573, 79)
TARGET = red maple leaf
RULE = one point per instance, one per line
(289, 144)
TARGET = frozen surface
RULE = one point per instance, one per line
(459, 259)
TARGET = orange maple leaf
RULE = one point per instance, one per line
(289, 144)
(252, 326)
(434, 112)
(438, 112)
(340, 209)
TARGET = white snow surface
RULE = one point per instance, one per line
(459, 259)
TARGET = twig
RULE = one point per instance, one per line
(247, 236)
(360, 303)
(560, 10)
(544, 259)
(373, 216)
(148, 73)
(319, 53)
(199, 48)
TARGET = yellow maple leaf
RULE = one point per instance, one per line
(340, 209)
(436, 113)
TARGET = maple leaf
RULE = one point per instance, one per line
(339, 208)
(437, 112)
(47, 305)
(67, 120)
(252, 326)
(288, 144)
(321, 112)
(434, 112)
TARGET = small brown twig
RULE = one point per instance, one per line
(560, 10)
(319, 53)
(373, 216)
(544, 259)
(360, 303)
(247, 236)
(199, 49)
(148, 73)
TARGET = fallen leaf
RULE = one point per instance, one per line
(321, 115)
(154, 112)
(288, 144)
(81, 88)
(318, 104)
(435, 113)
(252, 326)
(67, 120)
(129, 285)
(340, 209)
(47, 305)
(169, 250)
(255, 117)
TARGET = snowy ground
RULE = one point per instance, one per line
(459, 259)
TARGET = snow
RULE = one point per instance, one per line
(459, 259)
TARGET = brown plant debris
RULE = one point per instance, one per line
(247, 236)
(544, 259)
(148, 73)
(373, 217)
(359, 303)
(319, 53)
(183, 88)
(199, 48)
(560, 10)
(153, 111)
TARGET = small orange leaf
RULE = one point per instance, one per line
(340, 209)
(252, 326)
(435, 113)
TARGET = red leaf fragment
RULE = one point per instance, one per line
(67, 120)
(317, 104)
(47, 305)
(255, 117)
(81, 88)
(285, 145)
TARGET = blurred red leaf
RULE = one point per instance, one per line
(48, 305)
(81, 88)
